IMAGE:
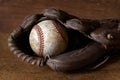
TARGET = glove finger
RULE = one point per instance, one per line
(57, 14)
(108, 34)
(77, 59)
(84, 26)
(30, 21)
(19, 44)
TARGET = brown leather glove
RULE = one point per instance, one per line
(81, 51)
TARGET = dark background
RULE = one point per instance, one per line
(12, 13)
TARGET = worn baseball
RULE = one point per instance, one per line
(48, 38)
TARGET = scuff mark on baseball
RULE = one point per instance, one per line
(48, 38)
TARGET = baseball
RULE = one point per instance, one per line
(48, 38)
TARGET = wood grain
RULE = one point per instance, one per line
(12, 13)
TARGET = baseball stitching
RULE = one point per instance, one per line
(59, 31)
(40, 38)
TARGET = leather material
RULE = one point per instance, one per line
(81, 32)
(77, 59)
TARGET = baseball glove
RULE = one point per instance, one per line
(82, 51)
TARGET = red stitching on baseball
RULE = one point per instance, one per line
(59, 31)
(41, 39)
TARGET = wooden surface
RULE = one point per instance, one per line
(12, 13)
